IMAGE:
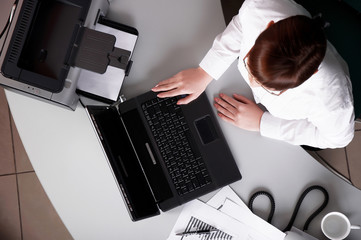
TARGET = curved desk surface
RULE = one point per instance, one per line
(70, 164)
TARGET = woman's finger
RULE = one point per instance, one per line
(223, 110)
(170, 93)
(229, 100)
(189, 98)
(165, 87)
(225, 105)
(167, 84)
(225, 118)
(242, 99)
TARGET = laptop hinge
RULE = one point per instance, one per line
(116, 104)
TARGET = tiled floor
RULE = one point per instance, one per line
(25, 210)
(345, 162)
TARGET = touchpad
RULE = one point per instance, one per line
(206, 129)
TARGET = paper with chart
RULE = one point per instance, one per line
(195, 224)
(226, 213)
(197, 215)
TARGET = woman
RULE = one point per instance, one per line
(292, 70)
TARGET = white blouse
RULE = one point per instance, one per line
(317, 113)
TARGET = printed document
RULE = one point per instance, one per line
(227, 216)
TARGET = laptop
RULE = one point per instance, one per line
(162, 154)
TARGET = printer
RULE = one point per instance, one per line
(51, 42)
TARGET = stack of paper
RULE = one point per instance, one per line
(226, 216)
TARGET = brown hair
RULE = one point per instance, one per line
(287, 53)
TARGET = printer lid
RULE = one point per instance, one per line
(43, 40)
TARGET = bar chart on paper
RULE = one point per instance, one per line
(195, 224)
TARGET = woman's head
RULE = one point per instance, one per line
(287, 53)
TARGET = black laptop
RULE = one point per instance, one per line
(162, 154)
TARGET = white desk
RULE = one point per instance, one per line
(68, 160)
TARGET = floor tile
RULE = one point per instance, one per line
(5, 4)
(336, 158)
(22, 161)
(354, 159)
(9, 209)
(39, 218)
(7, 164)
(358, 125)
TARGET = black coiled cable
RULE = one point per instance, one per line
(273, 205)
(298, 205)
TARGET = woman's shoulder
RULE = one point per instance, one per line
(330, 87)
(266, 10)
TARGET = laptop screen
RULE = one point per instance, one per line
(124, 162)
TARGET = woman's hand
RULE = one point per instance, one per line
(191, 82)
(240, 111)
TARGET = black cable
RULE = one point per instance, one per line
(314, 214)
(6, 26)
(298, 205)
(273, 205)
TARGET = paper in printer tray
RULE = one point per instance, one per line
(105, 87)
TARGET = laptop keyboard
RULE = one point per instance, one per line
(171, 132)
